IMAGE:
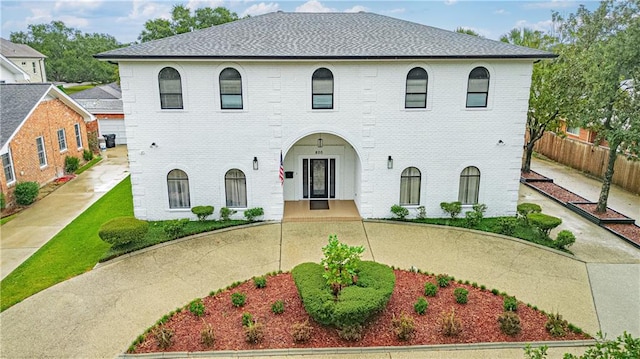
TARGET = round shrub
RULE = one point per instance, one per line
(123, 230)
(26, 193)
(461, 295)
(564, 239)
(253, 213)
(399, 211)
(421, 305)
(202, 212)
(524, 209)
(430, 289)
(544, 222)
(87, 155)
(510, 304)
(71, 164)
(506, 225)
(443, 280)
(509, 323)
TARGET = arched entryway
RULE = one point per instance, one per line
(322, 178)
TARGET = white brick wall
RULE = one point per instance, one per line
(368, 115)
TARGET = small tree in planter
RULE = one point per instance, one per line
(253, 213)
(453, 209)
(340, 262)
(399, 211)
(226, 213)
(544, 222)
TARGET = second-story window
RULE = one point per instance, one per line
(478, 87)
(322, 89)
(416, 89)
(170, 88)
(230, 89)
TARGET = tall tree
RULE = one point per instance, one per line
(604, 46)
(182, 20)
(549, 97)
(69, 52)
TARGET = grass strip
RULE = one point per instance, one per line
(7, 219)
(88, 165)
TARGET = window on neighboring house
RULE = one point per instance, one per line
(76, 127)
(33, 64)
(62, 140)
(170, 88)
(574, 130)
(322, 89)
(230, 89)
(410, 186)
(7, 165)
(235, 184)
(42, 154)
(178, 188)
(478, 87)
(469, 185)
(416, 89)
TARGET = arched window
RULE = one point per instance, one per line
(478, 87)
(322, 89)
(469, 185)
(230, 89)
(410, 186)
(178, 188)
(235, 184)
(170, 88)
(416, 89)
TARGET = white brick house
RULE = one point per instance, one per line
(203, 108)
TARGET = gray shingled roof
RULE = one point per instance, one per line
(106, 92)
(16, 101)
(10, 50)
(101, 106)
(323, 35)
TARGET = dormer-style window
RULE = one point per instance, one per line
(170, 88)
(416, 89)
(478, 87)
(322, 89)
(230, 89)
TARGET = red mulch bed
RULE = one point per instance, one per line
(557, 192)
(65, 179)
(629, 231)
(532, 175)
(478, 317)
(591, 208)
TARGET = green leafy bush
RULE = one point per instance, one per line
(430, 289)
(174, 228)
(26, 193)
(564, 239)
(202, 212)
(226, 213)
(341, 263)
(71, 164)
(556, 326)
(524, 209)
(450, 324)
(355, 304)
(510, 304)
(443, 280)
(399, 211)
(238, 299)
(87, 155)
(277, 307)
(3, 202)
(260, 282)
(473, 218)
(624, 346)
(544, 222)
(404, 327)
(421, 305)
(301, 331)
(253, 213)
(247, 319)
(207, 336)
(509, 323)
(461, 295)
(453, 209)
(123, 230)
(196, 307)
(506, 225)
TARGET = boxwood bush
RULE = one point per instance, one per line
(71, 164)
(26, 193)
(355, 304)
(202, 212)
(544, 222)
(123, 230)
(253, 213)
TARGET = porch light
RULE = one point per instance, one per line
(390, 163)
(320, 142)
(255, 163)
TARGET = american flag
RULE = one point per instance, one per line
(281, 170)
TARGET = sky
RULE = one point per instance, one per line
(124, 19)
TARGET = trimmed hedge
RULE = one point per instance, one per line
(202, 212)
(26, 193)
(123, 230)
(355, 304)
(544, 222)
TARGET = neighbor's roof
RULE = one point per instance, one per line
(361, 35)
(104, 99)
(109, 91)
(10, 50)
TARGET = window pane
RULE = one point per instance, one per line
(322, 101)
(170, 86)
(236, 189)
(178, 188)
(230, 87)
(305, 178)
(171, 101)
(477, 100)
(62, 141)
(231, 101)
(479, 73)
(416, 101)
(417, 86)
(332, 178)
(322, 86)
(8, 170)
(478, 85)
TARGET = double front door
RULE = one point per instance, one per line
(319, 177)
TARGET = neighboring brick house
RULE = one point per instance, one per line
(40, 126)
(105, 103)
(356, 106)
(25, 57)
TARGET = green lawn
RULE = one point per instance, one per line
(74, 89)
(73, 251)
(88, 165)
(7, 219)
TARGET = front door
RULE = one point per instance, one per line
(319, 178)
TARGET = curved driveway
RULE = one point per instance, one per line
(99, 313)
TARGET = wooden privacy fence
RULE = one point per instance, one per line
(590, 159)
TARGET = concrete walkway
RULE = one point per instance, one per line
(35, 226)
